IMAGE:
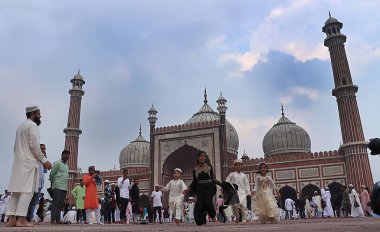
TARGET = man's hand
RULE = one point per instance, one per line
(47, 165)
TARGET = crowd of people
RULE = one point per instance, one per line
(24, 203)
(347, 203)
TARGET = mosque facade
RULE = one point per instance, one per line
(286, 146)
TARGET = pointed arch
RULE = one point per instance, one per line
(287, 192)
(308, 191)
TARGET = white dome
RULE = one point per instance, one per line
(135, 154)
(284, 137)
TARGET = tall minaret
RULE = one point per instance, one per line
(72, 130)
(354, 146)
(152, 122)
(222, 108)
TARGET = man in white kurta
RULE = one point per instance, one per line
(176, 187)
(24, 178)
(4, 201)
(328, 210)
(316, 199)
(289, 206)
(242, 181)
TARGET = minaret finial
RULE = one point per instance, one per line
(329, 14)
(205, 95)
(140, 129)
(79, 70)
(282, 110)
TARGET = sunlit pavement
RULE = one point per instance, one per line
(330, 224)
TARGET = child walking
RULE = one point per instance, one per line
(243, 190)
(176, 188)
(265, 202)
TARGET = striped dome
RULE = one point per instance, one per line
(286, 137)
(135, 154)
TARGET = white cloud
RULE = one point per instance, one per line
(217, 43)
(251, 131)
(278, 32)
(312, 94)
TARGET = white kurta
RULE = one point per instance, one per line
(4, 204)
(289, 204)
(317, 201)
(175, 188)
(241, 180)
(27, 156)
(328, 210)
(355, 212)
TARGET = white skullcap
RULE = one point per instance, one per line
(106, 181)
(29, 109)
(351, 185)
(191, 198)
(178, 169)
(157, 185)
(327, 188)
(238, 161)
(364, 186)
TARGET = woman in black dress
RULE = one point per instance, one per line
(204, 186)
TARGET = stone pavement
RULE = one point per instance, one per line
(332, 224)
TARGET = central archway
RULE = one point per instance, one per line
(287, 192)
(184, 158)
(336, 190)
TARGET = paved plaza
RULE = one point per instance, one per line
(333, 225)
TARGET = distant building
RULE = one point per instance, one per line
(286, 146)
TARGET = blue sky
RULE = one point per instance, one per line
(135, 53)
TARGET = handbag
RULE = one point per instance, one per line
(356, 204)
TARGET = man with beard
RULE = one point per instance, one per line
(24, 177)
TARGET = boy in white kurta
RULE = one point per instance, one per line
(242, 181)
(4, 201)
(176, 188)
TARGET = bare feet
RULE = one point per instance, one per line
(22, 222)
(11, 221)
(176, 221)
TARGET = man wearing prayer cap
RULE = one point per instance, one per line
(24, 177)
(242, 181)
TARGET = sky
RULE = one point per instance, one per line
(133, 54)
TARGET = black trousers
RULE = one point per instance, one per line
(40, 212)
(57, 204)
(107, 212)
(123, 208)
(155, 209)
(302, 213)
(113, 214)
(81, 215)
(204, 204)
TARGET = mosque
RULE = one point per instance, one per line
(286, 146)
